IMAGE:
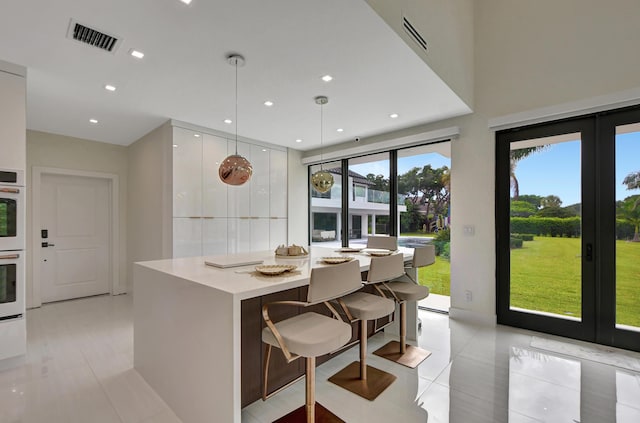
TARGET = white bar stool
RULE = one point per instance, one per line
(359, 378)
(405, 289)
(311, 334)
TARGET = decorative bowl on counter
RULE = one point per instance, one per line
(291, 251)
(374, 252)
(336, 260)
(275, 269)
(351, 249)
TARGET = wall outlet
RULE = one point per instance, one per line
(468, 295)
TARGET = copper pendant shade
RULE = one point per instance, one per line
(322, 181)
(235, 169)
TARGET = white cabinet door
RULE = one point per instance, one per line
(260, 234)
(13, 127)
(214, 236)
(277, 233)
(187, 237)
(214, 151)
(239, 196)
(239, 235)
(187, 173)
(260, 181)
(278, 183)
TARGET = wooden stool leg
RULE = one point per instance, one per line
(310, 389)
(403, 327)
(363, 350)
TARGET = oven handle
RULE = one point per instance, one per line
(10, 257)
(10, 190)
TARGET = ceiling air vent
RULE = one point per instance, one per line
(409, 29)
(93, 37)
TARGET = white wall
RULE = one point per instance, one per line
(59, 151)
(149, 207)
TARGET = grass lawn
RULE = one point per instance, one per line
(437, 277)
(545, 276)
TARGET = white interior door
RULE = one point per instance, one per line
(75, 211)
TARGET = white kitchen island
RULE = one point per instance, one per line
(187, 326)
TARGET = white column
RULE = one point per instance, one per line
(373, 224)
(339, 226)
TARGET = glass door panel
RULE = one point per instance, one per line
(326, 208)
(369, 196)
(627, 242)
(546, 226)
(424, 214)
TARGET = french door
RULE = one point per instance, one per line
(567, 216)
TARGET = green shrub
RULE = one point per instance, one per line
(524, 237)
(515, 243)
(547, 226)
(443, 235)
(442, 248)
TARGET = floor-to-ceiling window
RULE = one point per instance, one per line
(326, 208)
(425, 191)
(568, 212)
(404, 192)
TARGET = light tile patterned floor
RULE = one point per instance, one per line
(79, 369)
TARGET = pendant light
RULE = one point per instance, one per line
(322, 181)
(235, 169)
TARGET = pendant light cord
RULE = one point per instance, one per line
(236, 63)
(321, 135)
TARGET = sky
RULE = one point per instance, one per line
(553, 171)
(556, 170)
(404, 164)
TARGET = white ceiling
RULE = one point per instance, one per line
(288, 45)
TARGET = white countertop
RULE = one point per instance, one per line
(244, 282)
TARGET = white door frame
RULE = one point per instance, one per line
(115, 287)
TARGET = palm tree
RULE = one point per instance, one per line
(632, 181)
(629, 212)
(515, 157)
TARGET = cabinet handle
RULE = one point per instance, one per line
(10, 257)
(194, 217)
(10, 190)
(245, 217)
(209, 217)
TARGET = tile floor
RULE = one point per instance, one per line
(79, 369)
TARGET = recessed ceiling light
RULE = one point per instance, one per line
(327, 78)
(393, 115)
(228, 121)
(196, 135)
(175, 145)
(264, 149)
(340, 130)
(298, 140)
(137, 54)
(93, 120)
(186, 1)
(268, 103)
(109, 87)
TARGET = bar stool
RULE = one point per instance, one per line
(359, 378)
(311, 334)
(383, 242)
(405, 289)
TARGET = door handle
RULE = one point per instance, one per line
(47, 244)
(589, 252)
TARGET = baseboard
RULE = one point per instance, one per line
(472, 317)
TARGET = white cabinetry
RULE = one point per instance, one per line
(13, 121)
(212, 218)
